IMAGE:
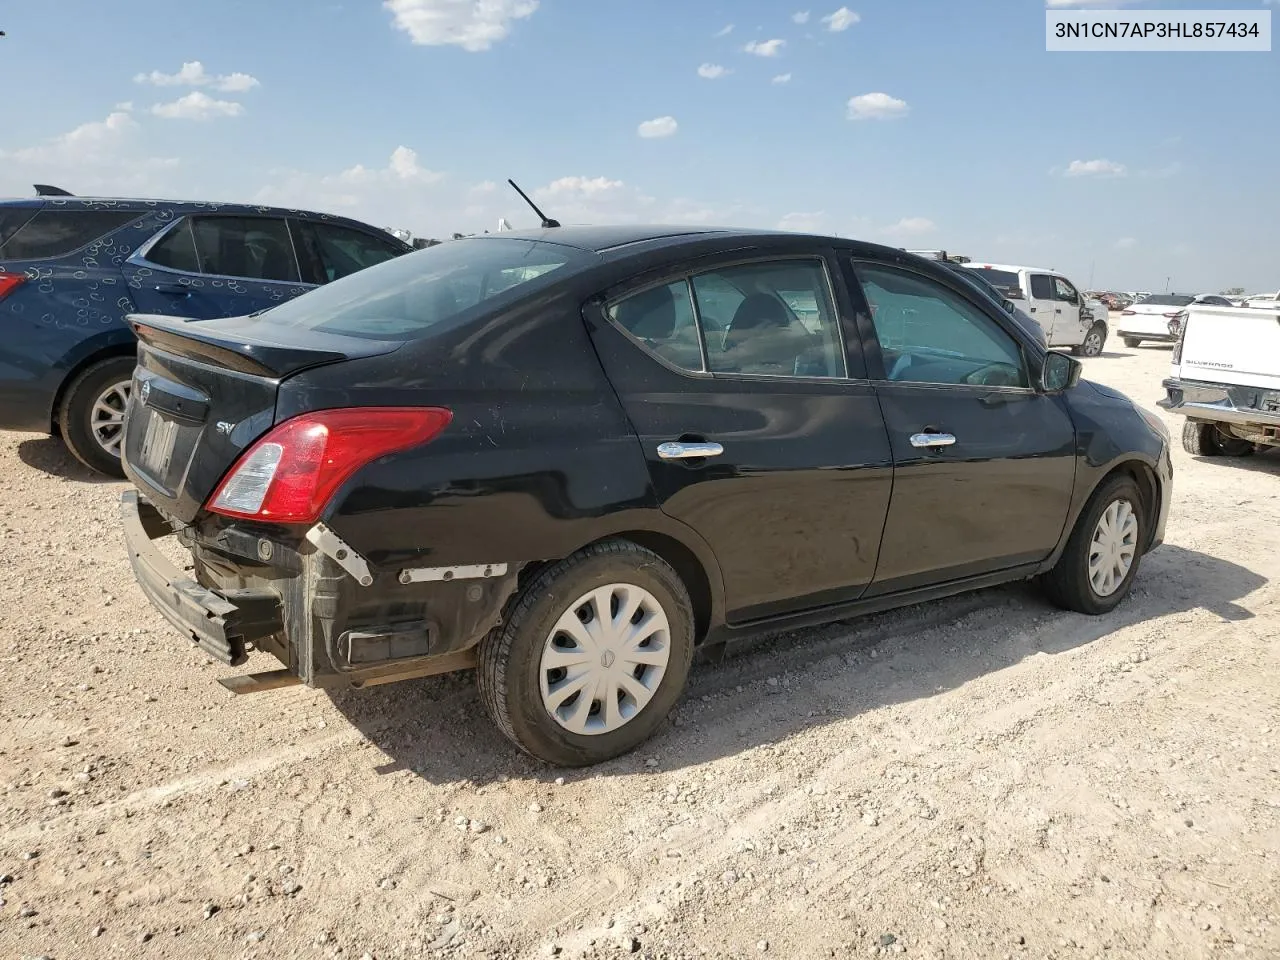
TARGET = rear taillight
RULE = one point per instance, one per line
(1178, 328)
(10, 282)
(290, 474)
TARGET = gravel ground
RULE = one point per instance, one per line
(981, 777)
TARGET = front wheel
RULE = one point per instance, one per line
(1097, 568)
(1093, 342)
(593, 657)
(91, 418)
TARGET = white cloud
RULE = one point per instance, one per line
(125, 105)
(237, 83)
(473, 25)
(84, 141)
(723, 31)
(578, 187)
(911, 227)
(1126, 243)
(801, 18)
(804, 222)
(877, 106)
(842, 19)
(197, 106)
(658, 128)
(193, 74)
(765, 48)
(99, 158)
(782, 78)
(712, 71)
(1095, 168)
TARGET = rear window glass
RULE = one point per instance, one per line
(12, 219)
(53, 233)
(403, 298)
(1167, 300)
(1003, 280)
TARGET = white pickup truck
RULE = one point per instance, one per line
(1226, 379)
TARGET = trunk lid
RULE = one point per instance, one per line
(1237, 345)
(203, 392)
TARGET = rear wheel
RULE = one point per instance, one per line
(1097, 568)
(91, 419)
(1207, 440)
(1131, 342)
(593, 657)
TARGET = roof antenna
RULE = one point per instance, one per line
(547, 223)
(44, 190)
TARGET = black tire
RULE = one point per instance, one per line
(76, 412)
(1068, 584)
(1206, 440)
(1131, 342)
(1198, 439)
(1092, 347)
(511, 655)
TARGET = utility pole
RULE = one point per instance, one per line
(1166, 284)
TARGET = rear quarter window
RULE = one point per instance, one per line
(55, 233)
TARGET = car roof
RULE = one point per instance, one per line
(176, 206)
(974, 264)
(607, 239)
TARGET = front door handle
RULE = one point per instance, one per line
(674, 450)
(929, 440)
(177, 288)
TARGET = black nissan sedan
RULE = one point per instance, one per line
(569, 457)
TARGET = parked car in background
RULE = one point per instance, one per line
(1052, 301)
(1225, 379)
(71, 268)
(570, 456)
(1265, 301)
(1153, 319)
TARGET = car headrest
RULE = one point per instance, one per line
(760, 310)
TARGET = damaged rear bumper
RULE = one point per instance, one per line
(221, 623)
(328, 616)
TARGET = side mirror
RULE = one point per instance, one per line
(1059, 373)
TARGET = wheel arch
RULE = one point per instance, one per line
(109, 350)
(1144, 475)
(684, 551)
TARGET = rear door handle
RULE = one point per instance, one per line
(674, 450)
(173, 288)
(929, 440)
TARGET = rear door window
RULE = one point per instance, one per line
(1041, 286)
(176, 250)
(773, 318)
(330, 252)
(253, 248)
(55, 233)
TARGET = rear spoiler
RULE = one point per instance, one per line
(226, 346)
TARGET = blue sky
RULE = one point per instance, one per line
(921, 123)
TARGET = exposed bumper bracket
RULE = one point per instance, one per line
(333, 547)
(478, 571)
(221, 624)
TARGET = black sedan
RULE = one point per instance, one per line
(569, 457)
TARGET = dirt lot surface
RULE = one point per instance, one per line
(983, 777)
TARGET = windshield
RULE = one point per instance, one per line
(405, 297)
(1167, 300)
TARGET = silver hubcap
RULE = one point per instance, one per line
(106, 420)
(604, 659)
(1115, 544)
(1093, 345)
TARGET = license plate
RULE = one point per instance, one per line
(157, 444)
